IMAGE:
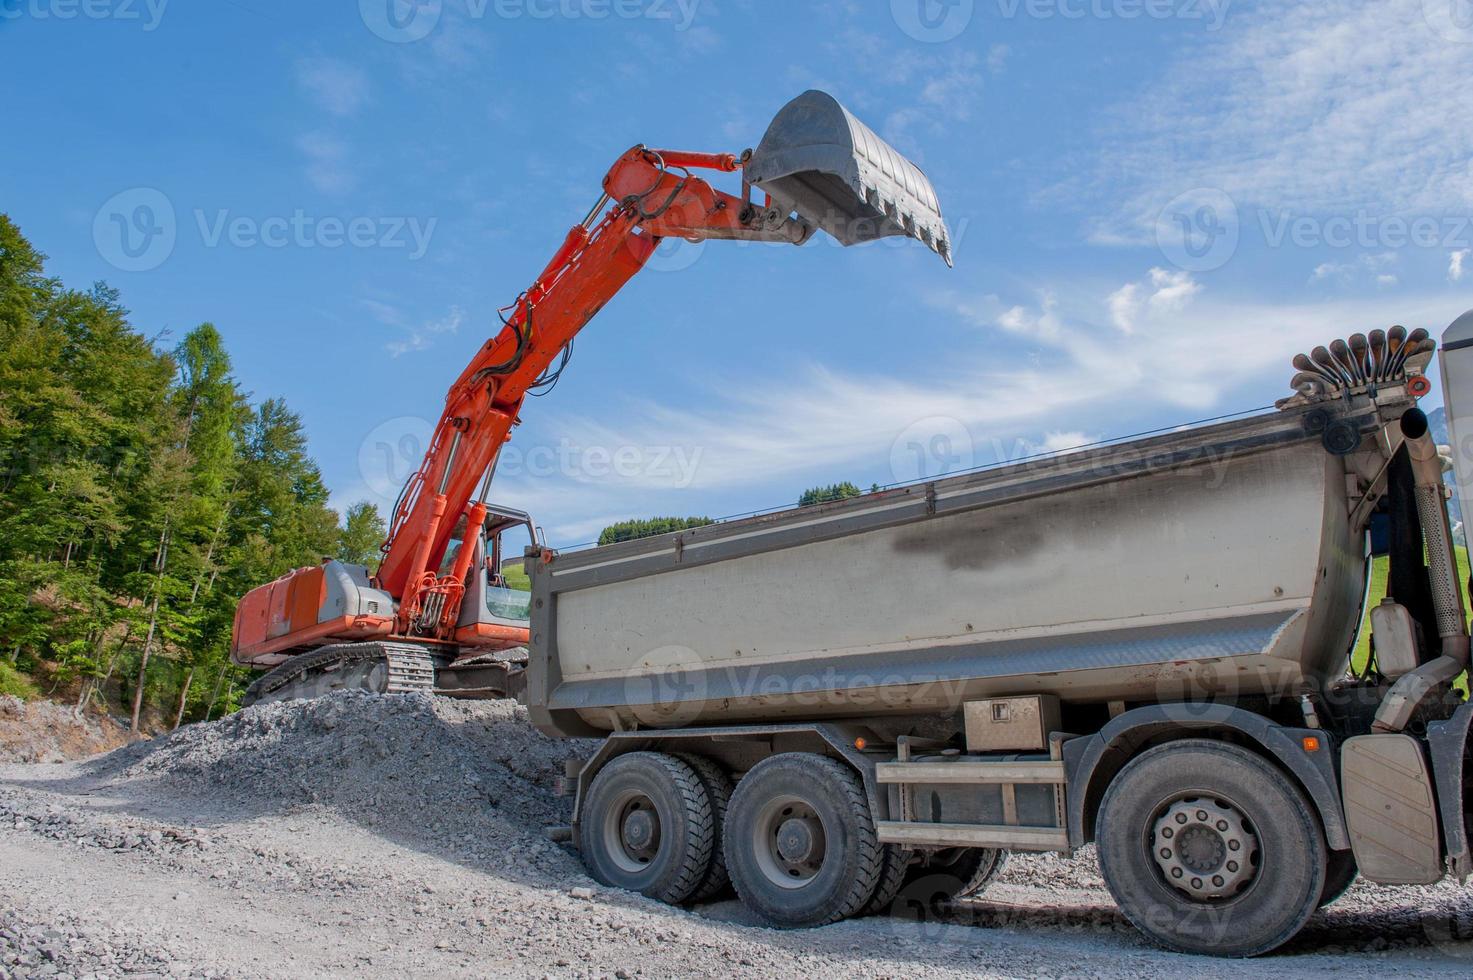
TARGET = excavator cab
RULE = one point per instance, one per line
(497, 604)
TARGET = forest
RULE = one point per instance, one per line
(142, 491)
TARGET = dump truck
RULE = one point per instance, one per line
(1144, 646)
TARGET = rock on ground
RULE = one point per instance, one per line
(403, 835)
(44, 731)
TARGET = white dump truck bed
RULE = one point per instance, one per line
(1217, 560)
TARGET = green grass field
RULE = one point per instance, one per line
(1379, 568)
(14, 683)
(516, 577)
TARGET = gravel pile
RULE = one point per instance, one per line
(445, 771)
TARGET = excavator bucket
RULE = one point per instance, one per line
(816, 159)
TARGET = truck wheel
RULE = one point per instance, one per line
(943, 876)
(718, 789)
(1340, 873)
(894, 869)
(972, 868)
(647, 826)
(1208, 848)
(800, 841)
(984, 865)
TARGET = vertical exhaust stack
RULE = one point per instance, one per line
(818, 160)
(1457, 397)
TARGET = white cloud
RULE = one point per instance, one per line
(1164, 292)
(334, 85)
(1370, 267)
(1125, 305)
(1063, 442)
(1328, 107)
(997, 58)
(1086, 380)
(1455, 264)
(935, 89)
(1182, 361)
(1043, 324)
(328, 167)
(418, 337)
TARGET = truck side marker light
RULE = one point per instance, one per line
(1311, 743)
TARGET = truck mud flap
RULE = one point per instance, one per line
(1391, 809)
(1448, 741)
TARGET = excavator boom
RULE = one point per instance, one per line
(818, 168)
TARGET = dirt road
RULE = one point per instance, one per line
(403, 836)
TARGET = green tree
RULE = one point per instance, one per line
(630, 530)
(140, 495)
(823, 495)
(363, 531)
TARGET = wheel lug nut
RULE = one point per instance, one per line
(1176, 872)
(1217, 880)
(1233, 866)
(1166, 853)
(1202, 815)
(1181, 818)
(1167, 832)
(1222, 825)
(1196, 882)
(1233, 845)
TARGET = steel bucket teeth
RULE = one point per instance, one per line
(818, 160)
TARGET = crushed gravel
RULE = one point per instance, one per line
(404, 835)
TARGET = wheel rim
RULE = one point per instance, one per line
(1205, 848)
(632, 832)
(789, 841)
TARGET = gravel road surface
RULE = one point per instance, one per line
(403, 836)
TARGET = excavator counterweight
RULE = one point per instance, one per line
(439, 601)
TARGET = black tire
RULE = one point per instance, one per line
(718, 790)
(830, 861)
(894, 872)
(985, 864)
(1164, 811)
(1340, 873)
(972, 868)
(647, 827)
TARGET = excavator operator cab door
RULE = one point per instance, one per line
(496, 609)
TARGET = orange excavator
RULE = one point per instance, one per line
(438, 614)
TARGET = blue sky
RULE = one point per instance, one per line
(350, 195)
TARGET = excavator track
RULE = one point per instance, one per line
(376, 668)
